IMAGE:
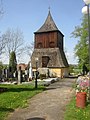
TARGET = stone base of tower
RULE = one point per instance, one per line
(60, 72)
(53, 72)
(51, 61)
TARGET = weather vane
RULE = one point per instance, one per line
(49, 5)
(49, 8)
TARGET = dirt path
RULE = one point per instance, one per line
(48, 105)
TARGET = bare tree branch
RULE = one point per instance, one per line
(29, 49)
(2, 45)
(14, 41)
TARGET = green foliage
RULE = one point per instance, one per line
(74, 113)
(74, 69)
(16, 96)
(71, 67)
(82, 47)
(42, 76)
(1, 66)
(13, 62)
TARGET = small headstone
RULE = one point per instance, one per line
(30, 71)
(19, 75)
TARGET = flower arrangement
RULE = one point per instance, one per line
(82, 84)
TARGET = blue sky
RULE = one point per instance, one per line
(29, 15)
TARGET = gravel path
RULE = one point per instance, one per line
(48, 105)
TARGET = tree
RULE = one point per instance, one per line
(1, 66)
(2, 42)
(12, 62)
(14, 41)
(81, 49)
(2, 45)
(29, 49)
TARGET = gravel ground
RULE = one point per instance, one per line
(48, 105)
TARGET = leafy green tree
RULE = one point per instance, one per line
(1, 66)
(12, 62)
(82, 47)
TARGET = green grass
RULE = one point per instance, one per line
(16, 96)
(74, 113)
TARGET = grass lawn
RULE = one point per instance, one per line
(16, 96)
(74, 113)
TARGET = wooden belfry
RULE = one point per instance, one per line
(48, 48)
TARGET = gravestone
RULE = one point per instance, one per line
(6, 73)
(30, 71)
(19, 75)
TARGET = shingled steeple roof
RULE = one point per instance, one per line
(49, 25)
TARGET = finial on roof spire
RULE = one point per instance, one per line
(49, 8)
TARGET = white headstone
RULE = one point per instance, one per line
(30, 70)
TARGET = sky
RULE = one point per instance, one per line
(29, 16)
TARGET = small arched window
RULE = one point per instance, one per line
(39, 45)
(51, 44)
